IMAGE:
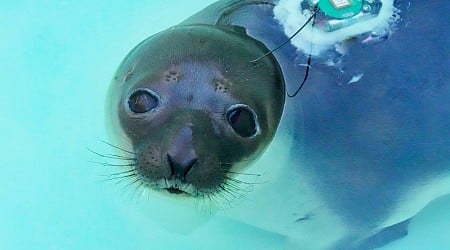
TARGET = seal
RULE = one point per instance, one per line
(194, 108)
(344, 165)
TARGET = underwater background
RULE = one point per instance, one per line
(57, 59)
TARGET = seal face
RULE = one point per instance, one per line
(194, 108)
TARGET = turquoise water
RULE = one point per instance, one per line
(57, 60)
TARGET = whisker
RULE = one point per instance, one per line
(231, 194)
(119, 173)
(230, 163)
(131, 183)
(210, 203)
(213, 198)
(244, 182)
(234, 195)
(117, 147)
(136, 189)
(111, 156)
(240, 173)
(236, 187)
(105, 164)
(201, 204)
(120, 157)
(119, 178)
(223, 196)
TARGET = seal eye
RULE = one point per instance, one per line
(142, 101)
(243, 120)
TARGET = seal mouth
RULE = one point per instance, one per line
(174, 190)
(177, 187)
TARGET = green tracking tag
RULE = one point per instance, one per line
(340, 9)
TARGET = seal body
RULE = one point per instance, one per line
(346, 165)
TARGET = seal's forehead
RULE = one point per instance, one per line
(227, 54)
(195, 85)
(198, 43)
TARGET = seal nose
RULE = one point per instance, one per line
(180, 170)
(181, 155)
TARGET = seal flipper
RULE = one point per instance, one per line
(385, 236)
(380, 239)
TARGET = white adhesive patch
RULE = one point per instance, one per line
(315, 41)
(355, 78)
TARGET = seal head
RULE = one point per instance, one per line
(194, 109)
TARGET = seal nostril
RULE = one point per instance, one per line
(180, 170)
(172, 171)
